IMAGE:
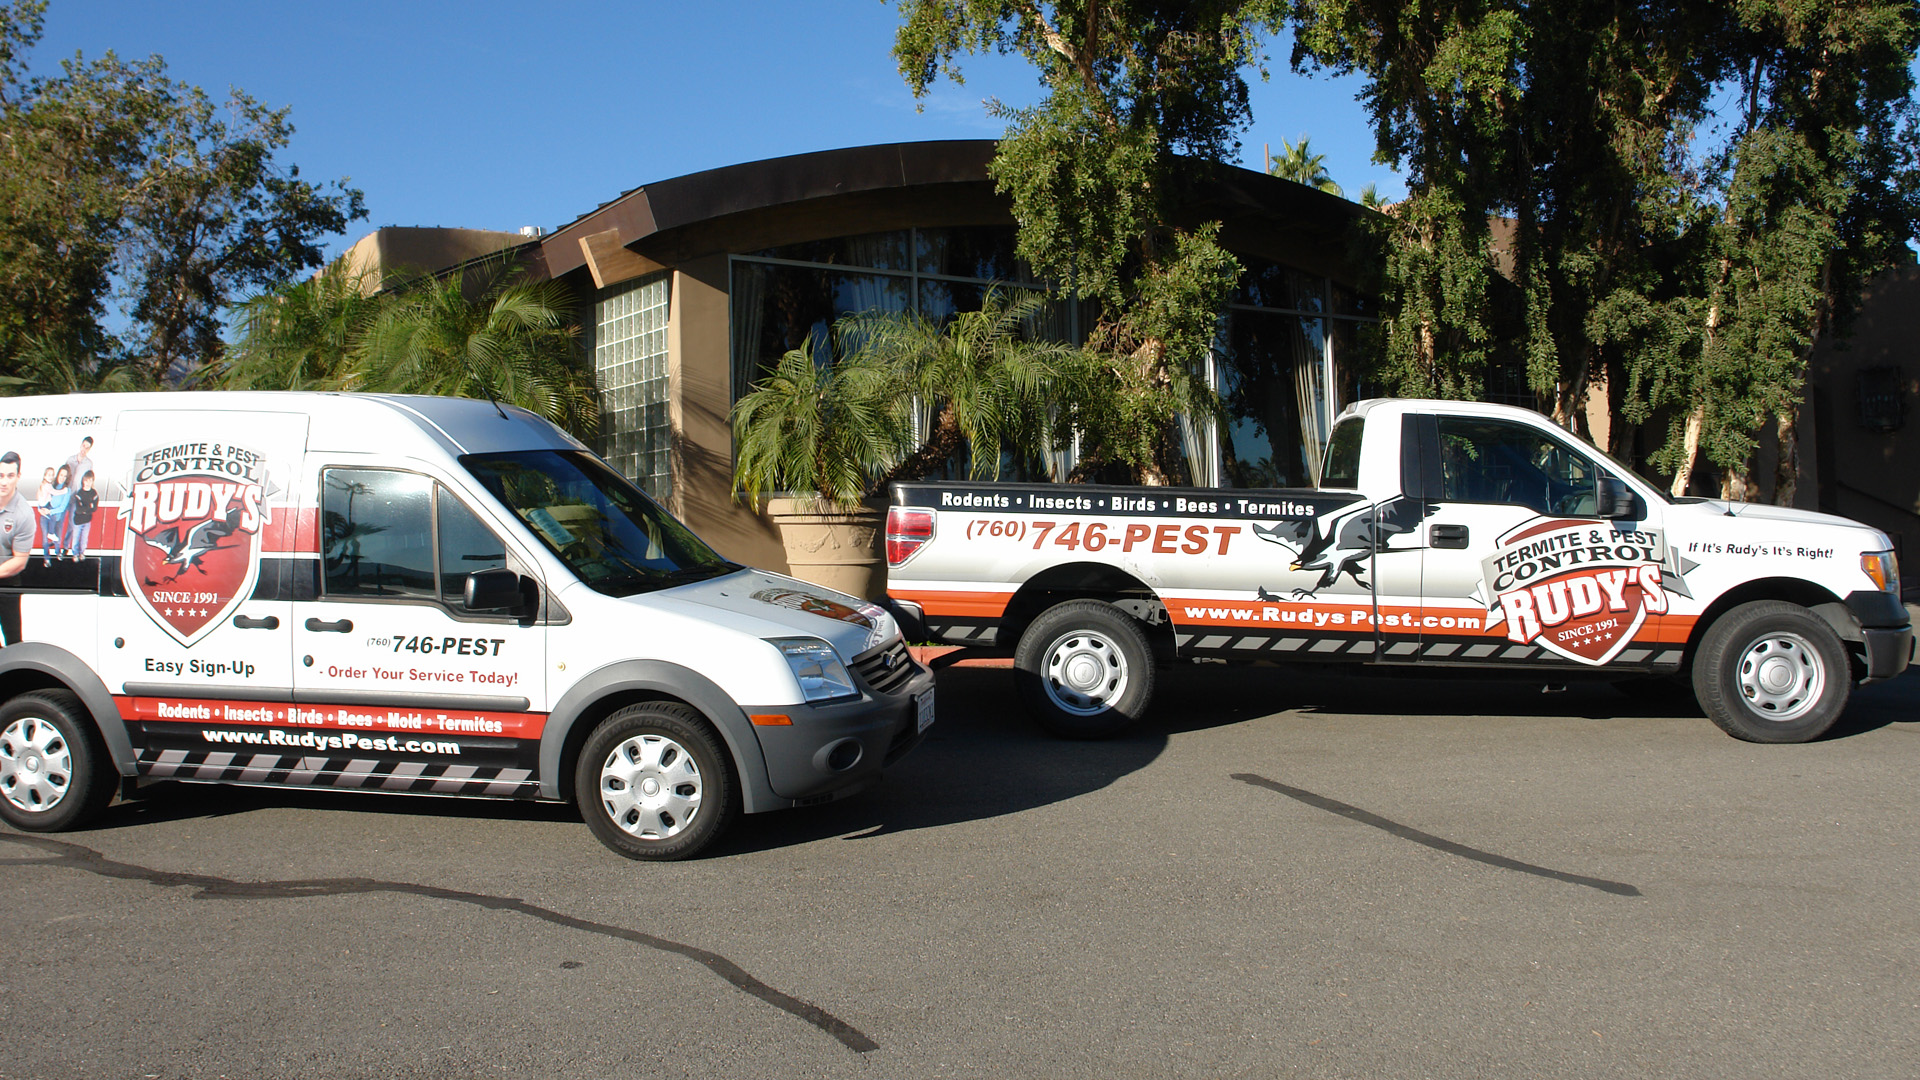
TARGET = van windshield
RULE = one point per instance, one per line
(607, 531)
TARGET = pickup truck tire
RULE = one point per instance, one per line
(54, 773)
(1772, 672)
(1085, 670)
(653, 783)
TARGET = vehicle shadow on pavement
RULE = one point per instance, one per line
(984, 757)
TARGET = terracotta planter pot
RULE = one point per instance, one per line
(842, 550)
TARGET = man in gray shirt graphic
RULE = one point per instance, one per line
(16, 542)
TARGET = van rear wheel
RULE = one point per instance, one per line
(1772, 672)
(54, 773)
(1085, 670)
(653, 783)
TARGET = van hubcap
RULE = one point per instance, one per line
(651, 787)
(36, 767)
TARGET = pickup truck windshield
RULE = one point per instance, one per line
(605, 529)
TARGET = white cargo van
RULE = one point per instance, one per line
(413, 595)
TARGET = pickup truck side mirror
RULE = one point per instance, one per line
(494, 590)
(1616, 499)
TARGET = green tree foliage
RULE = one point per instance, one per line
(479, 331)
(1302, 166)
(127, 193)
(1139, 97)
(1655, 244)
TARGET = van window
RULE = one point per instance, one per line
(379, 538)
(604, 528)
(376, 533)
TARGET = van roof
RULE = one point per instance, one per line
(344, 421)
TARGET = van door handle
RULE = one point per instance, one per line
(344, 626)
(271, 622)
(1447, 536)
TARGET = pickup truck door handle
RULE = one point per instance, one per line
(344, 626)
(271, 622)
(1447, 536)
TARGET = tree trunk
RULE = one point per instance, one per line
(1787, 472)
(1690, 451)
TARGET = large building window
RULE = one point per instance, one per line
(1284, 366)
(1284, 363)
(630, 360)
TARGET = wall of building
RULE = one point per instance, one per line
(1862, 457)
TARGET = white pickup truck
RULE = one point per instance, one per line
(1443, 533)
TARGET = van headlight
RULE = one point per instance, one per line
(1884, 569)
(816, 667)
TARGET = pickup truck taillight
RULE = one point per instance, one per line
(907, 529)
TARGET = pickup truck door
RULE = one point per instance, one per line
(1519, 567)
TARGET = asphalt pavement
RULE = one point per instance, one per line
(1281, 874)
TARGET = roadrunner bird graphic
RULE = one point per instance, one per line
(186, 551)
(1342, 542)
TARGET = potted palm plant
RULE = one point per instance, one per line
(811, 437)
(836, 433)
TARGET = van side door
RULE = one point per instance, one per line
(196, 607)
(423, 692)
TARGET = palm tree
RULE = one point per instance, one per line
(480, 331)
(1298, 164)
(60, 366)
(302, 335)
(513, 343)
(987, 383)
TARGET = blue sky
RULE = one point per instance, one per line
(491, 115)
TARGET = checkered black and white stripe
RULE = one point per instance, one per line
(1254, 646)
(441, 778)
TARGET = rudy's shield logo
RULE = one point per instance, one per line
(194, 512)
(1577, 589)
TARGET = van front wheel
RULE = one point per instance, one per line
(1772, 672)
(653, 783)
(1085, 670)
(54, 774)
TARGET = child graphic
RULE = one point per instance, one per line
(55, 501)
(80, 517)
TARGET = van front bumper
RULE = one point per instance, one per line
(836, 748)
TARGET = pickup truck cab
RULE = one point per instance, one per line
(410, 595)
(1443, 534)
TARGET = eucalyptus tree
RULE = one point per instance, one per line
(1688, 195)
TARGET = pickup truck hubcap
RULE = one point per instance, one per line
(36, 767)
(1086, 673)
(650, 787)
(1781, 676)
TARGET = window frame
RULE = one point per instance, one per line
(511, 561)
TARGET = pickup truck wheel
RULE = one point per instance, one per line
(1085, 670)
(653, 783)
(1772, 672)
(54, 773)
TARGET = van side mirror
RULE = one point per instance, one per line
(1616, 499)
(494, 590)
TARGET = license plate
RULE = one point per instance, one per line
(925, 704)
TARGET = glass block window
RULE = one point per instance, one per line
(630, 360)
